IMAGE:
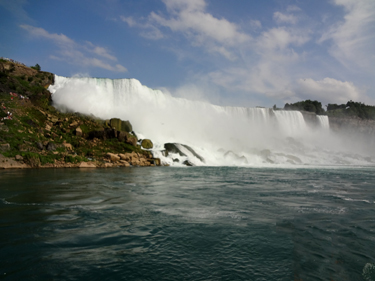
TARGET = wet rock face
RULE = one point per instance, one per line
(173, 148)
(99, 134)
(188, 163)
(127, 138)
(231, 156)
(103, 134)
(354, 125)
(110, 133)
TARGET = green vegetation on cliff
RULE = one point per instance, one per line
(33, 131)
(350, 109)
(307, 105)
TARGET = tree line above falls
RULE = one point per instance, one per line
(350, 109)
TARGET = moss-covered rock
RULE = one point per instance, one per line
(147, 144)
(121, 125)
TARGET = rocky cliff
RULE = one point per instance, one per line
(352, 124)
(33, 134)
(310, 118)
(338, 124)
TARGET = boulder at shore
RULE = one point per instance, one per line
(147, 144)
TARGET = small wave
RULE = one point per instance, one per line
(357, 200)
(322, 210)
(368, 272)
(354, 200)
(5, 201)
(203, 214)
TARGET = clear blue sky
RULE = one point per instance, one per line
(237, 52)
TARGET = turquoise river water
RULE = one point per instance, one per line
(197, 223)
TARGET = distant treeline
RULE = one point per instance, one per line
(350, 109)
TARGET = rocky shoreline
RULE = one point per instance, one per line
(111, 160)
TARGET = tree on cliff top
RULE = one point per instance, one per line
(334, 106)
(307, 105)
(352, 108)
(36, 67)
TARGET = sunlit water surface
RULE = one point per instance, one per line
(198, 223)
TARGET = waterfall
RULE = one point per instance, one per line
(291, 122)
(222, 135)
(324, 121)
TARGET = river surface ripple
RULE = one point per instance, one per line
(198, 223)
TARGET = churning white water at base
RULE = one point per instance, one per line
(220, 135)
